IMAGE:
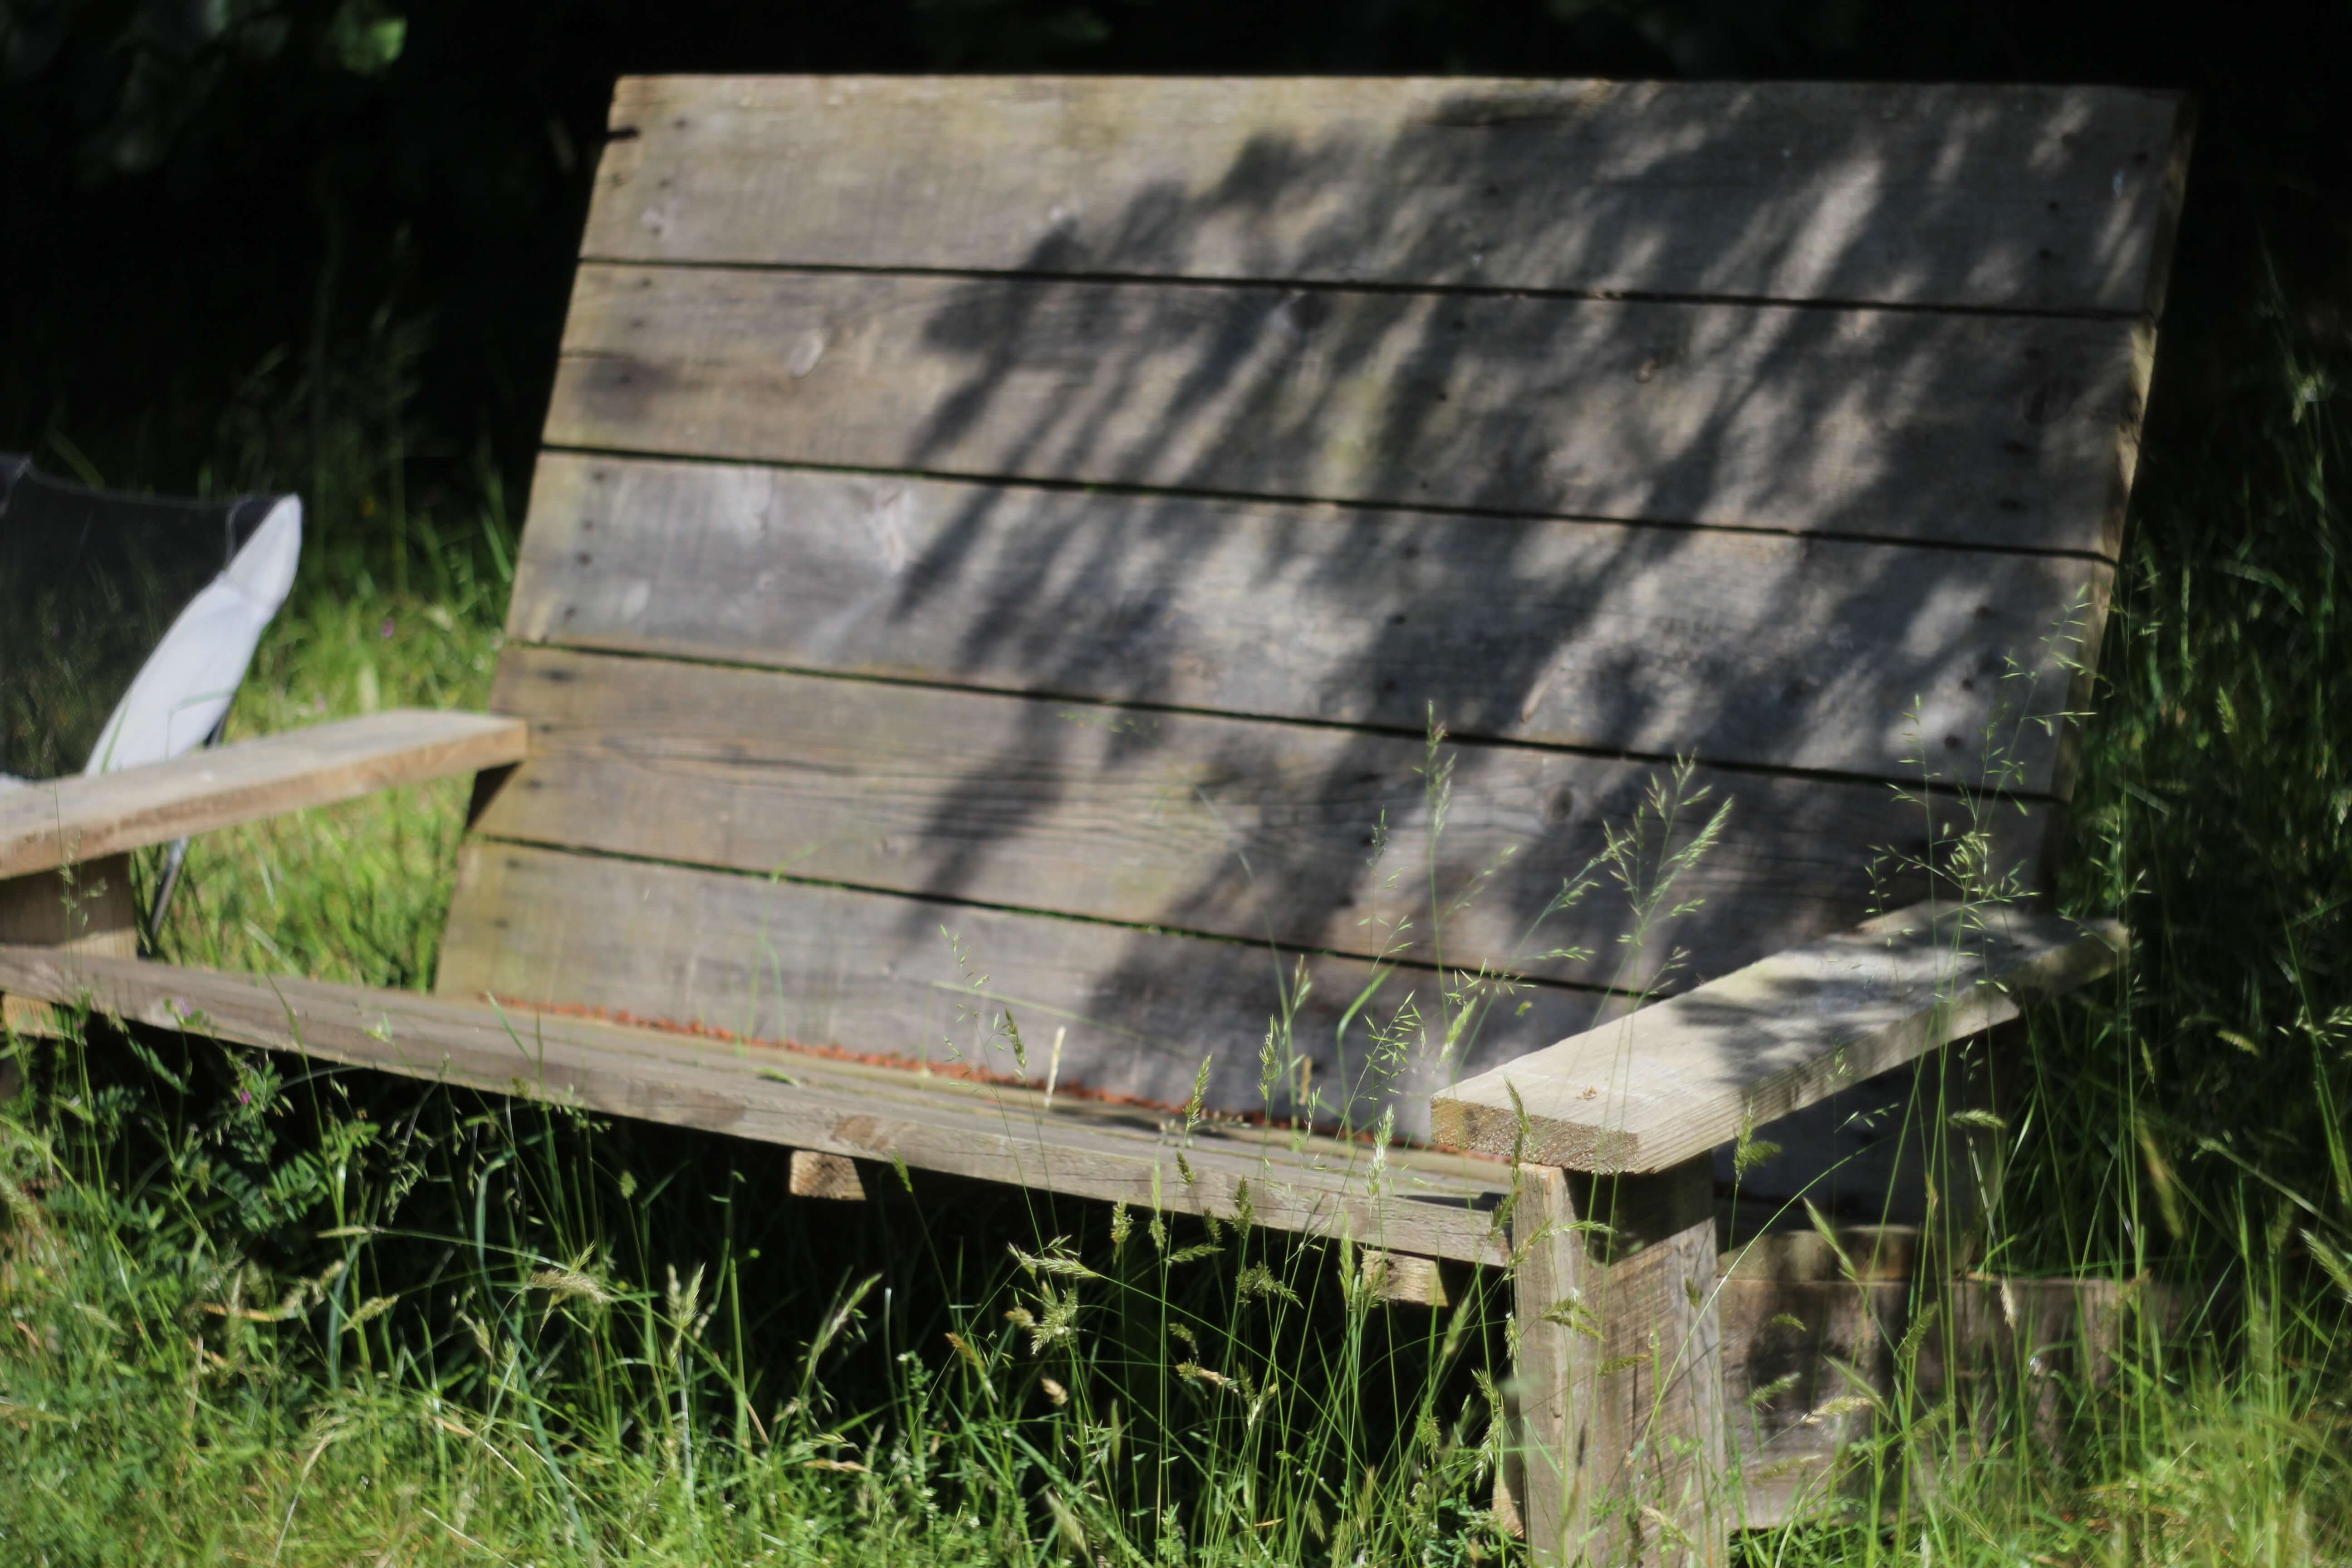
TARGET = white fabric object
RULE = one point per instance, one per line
(184, 688)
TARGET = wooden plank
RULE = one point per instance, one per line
(1965, 430)
(1136, 1010)
(2025, 197)
(1855, 657)
(54, 822)
(1418, 1201)
(1235, 827)
(1672, 1081)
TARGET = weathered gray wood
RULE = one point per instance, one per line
(1855, 657)
(1903, 1147)
(1800, 1321)
(1809, 1339)
(1137, 1010)
(1775, 608)
(2028, 198)
(1869, 1254)
(1416, 1201)
(1817, 1349)
(1966, 429)
(1235, 827)
(53, 822)
(1670, 1081)
(1619, 1423)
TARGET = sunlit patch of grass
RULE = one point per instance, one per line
(356, 892)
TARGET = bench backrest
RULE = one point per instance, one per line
(1000, 545)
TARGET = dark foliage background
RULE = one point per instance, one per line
(213, 206)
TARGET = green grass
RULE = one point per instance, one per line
(271, 1312)
(356, 892)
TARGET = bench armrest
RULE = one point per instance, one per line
(1668, 1083)
(55, 822)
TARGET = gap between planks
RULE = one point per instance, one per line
(1247, 829)
(1890, 423)
(1740, 649)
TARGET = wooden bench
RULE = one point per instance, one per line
(999, 547)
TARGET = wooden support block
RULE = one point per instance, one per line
(1406, 1279)
(1617, 1453)
(87, 907)
(84, 908)
(24, 1016)
(817, 1174)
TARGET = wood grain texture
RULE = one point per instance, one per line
(1879, 1147)
(1137, 1009)
(55, 821)
(1855, 657)
(1620, 1420)
(1808, 1342)
(2025, 198)
(1401, 1279)
(1966, 429)
(815, 1174)
(1670, 1081)
(1804, 1313)
(1795, 1320)
(1423, 1202)
(87, 907)
(1243, 828)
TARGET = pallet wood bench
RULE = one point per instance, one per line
(1000, 546)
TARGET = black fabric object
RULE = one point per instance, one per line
(90, 581)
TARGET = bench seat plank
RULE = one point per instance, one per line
(1828, 654)
(1235, 827)
(1669, 1082)
(55, 822)
(1426, 1201)
(879, 973)
(2044, 198)
(1961, 428)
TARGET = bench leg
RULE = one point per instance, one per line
(1619, 1433)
